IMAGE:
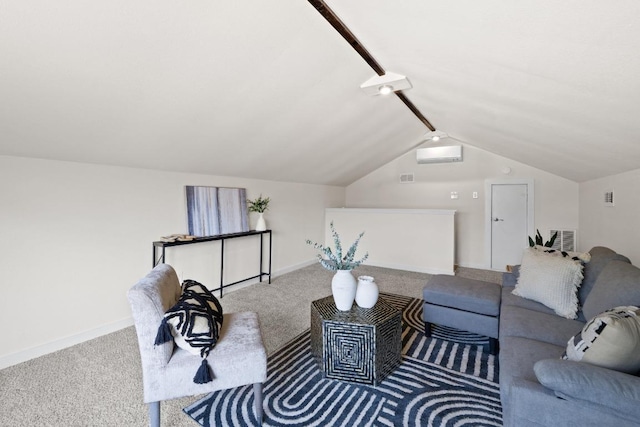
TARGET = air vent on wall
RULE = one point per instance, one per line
(406, 178)
(608, 198)
(566, 240)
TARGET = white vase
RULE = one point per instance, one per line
(343, 288)
(367, 293)
(261, 225)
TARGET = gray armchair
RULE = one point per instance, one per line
(239, 358)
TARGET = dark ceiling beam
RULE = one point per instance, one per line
(346, 33)
(415, 110)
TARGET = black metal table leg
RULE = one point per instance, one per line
(260, 270)
(221, 266)
(270, 251)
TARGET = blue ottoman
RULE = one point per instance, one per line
(466, 304)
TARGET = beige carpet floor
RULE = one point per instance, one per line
(99, 382)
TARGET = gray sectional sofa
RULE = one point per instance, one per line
(533, 338)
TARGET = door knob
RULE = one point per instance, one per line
(498, 219)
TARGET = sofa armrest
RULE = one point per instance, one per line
(510, 279)
(611, 391)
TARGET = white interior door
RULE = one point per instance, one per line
(510, 220)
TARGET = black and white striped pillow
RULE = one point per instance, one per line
(194, 324)
(611, 340)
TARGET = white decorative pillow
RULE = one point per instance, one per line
(610, 340)
(550, 280)
(576, 256)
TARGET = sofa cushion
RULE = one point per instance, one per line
(545, 327)
(550, 280)
(600, 257)
(533, 405)
(611, 391)
(617, 285)
(508, 299)
(470, 295)
(610, 340)
(517, 357)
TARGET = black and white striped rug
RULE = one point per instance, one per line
(449, 379)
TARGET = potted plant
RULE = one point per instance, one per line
(539, 241)
(259, 205)
(343, 284)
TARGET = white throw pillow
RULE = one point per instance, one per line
(611, 340)
(550, 280)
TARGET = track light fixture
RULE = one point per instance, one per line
(435, 136)
(385, 84)
(385, 89)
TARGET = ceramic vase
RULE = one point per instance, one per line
(367, 292)
(261, 225)
(343, 288)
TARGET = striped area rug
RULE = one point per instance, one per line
(449, 379)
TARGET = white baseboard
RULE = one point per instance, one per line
(274, 274)
(294, 267)
(297, 267)
(473, 265)
(50, 347)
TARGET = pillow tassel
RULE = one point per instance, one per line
(164, 333)
(203, 375)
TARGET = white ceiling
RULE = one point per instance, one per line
(269, 90)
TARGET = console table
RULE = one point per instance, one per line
(222, 238)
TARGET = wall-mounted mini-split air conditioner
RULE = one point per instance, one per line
(444, 154)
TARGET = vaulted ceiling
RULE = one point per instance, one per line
(269, 90)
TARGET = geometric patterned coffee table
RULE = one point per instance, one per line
(362, 345)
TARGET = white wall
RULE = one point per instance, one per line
(556, 199)
(75, 237)
(615, 226)
(391, 236)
